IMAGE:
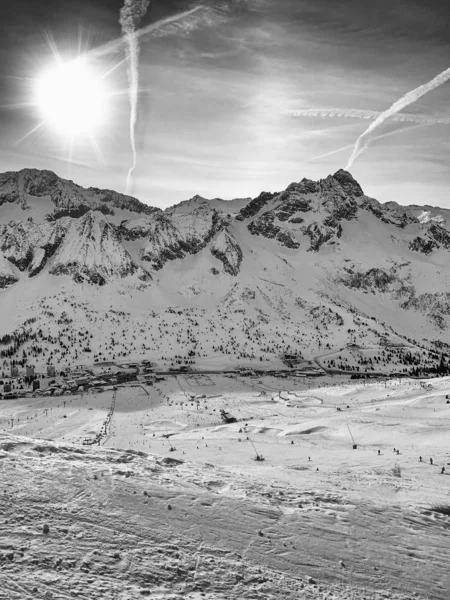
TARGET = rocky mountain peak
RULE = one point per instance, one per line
(39, 183)
(69, 199)
(348, 183)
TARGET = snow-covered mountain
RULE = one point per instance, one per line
(316, 266)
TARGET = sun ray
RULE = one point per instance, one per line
(17, 106)
(97, 150)
(30, 133)
(17, 78)
(113, 68)
(115, 93)
(80, 40)
(52, 45)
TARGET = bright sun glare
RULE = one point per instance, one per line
(72, 98)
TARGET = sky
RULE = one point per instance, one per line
(239, 97)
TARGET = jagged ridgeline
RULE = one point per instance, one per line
(317, 265)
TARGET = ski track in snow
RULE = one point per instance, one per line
(206, 518)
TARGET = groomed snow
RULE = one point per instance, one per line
(316, 519)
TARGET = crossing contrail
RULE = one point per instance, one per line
(157, 26)
(131, 16)
(379, 137)
(363, 141)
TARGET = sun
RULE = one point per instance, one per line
(72, 98)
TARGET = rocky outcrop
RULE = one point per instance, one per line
(19, 240)
(176, 233)
(254, 206)
(291, 203)
(440, 235)
(9, 188)
(436, 306)
(28, 245)
(48, 246)
(435, 237)
(266, 227)
(319, 234)
(305, 186)
(425, 246)
(109, 198)
(375, 280)
(7, 277)
(226, 249)
(349, 185)
(390, 213)
(92, 252)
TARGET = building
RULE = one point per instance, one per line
(30, 371)
(7, 388)
(36, 385)
(14, 371)
(51, 371)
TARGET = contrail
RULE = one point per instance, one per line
(112, 46)
(363, 141)
(355, 113)
(395, 132)
(131, 16)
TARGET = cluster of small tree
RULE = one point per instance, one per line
(77, 211)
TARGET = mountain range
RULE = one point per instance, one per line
(90, 274)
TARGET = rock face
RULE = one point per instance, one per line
(28, 245)
(20, 239)
(320, 234)
(435, 237)
(92, 251)
(254, 206)
(435, 306)
(228, 251)
(9, 189)
(7, 276)
(29, 185)
(265, 225)
(349, 185)
(390, 213)
(375, 280)
(174, 234)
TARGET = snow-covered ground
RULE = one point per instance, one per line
(173, 504)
